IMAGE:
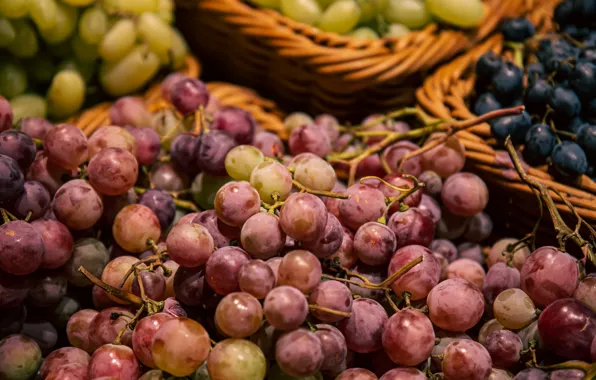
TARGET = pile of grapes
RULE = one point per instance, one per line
(372, 19)
(58, 55)
(286, 273)
(559, 91)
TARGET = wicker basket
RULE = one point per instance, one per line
(309, 70)
(445, 95)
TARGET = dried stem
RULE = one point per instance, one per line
(321, 193)
(390, 300)
(116, 292)
(330, 311)
(185, 205)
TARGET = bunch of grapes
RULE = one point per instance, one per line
(372, 19)
(559, 127)
(58, 55)
(355, 256)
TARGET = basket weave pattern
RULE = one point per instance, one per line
(306, 69)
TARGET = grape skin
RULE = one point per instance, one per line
(464, 194)
(403, 374)
(330, 241)
(114, 360)
(148, 144)
(332, 295)
(111, 137)
(345, 254)
(256, 278)
(239, 315)
(77, 330)
(499, 278)
(586, 291)
(466, 360)
(143, 334)
(421, 279)
(364, 204)
(262, 236)
(42, 170)
(103, 330)
(222, 269)
(374, 243)
(113, 171)
(66, 145)
(47, 289)
(236, 359)
(300, 269)
(356, 374)
(237, 122)
(211, 151)
(514, 309)
(61, 357)
(162, 204)
(333, 345)
(235, 202)
(20, 357)
(467, 269)
(412, 227)
(408, 337)
(303, 217)
(308, 138)
(221, 233)
(88, 253)
(77, 205)
(299, 353)
(455, 305)
(271, 178)
(363, 330)
(504, 348)
(35, 199)
(134, 226)
(19, 146)
(190, 245)
(21, 248)
(190, 286)
(446, 159)
(11, 180)
(285, 308)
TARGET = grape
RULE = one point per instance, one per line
(411, 13)
(433, 184)
(471, 251)
(221, 233)
(455, 305)
(115, 271)
(419, 280)
(479, 228)
(316, 174)
(180, 346)
(567, 328)
(101, 299)
(189, 285)
(114, 360)
(585, 291)
(299, 353)
(33, 203)
(467, 269)
(374, 243)
(364, 33)
(90, 254)
(66, 146)
(13, 80)
(327, 244)
(164, 177)
(333, 345)
(222, 269)
(499, 278)
(465, 14)
(256, 278)
(514, 309)
(356, 374)
(408, 337)
(464, 194)
(567, 374)
(305, 11)
(113, 204)
(393, 155)
(504, 348)
(190, 245)
(446, 159)
(11, 180)
(14, 8)
(236, 359)
(271, 178)
(61, 357)
(130, 73)
(236, 122)
(303, 217)
(43, 333)
(496, 253)
(285, 308)
(72, 371)
(20, 357)
(12, 318)
(340, 17)
(13, 290)
(364, 204)
(21, 248)
(445, 248)
(182, 153)
(412, 226)
(77, 329)
(269, 144)
(239, 315)
(403, 374)
(466, 359)
(148, 144)
(162, 204)
(18, 146)
(143, 334)
(309, 138)
(134, 226)
(154, 285)
(443, 263)
(332, 295)
(262, 236)
(445, 339)
(363, 330)
(211, 150)
(489, 328)
(24, 44)
(235, 202)
(300, 269)
(274, 264)
(188, 95)
(103, 329)
(375, 274)
(113, 171)
(45, 172)
(345, 254)
(77, 205)
(66, 94)
(6, 114)
(47, 289)
(241, 161)
(531, 374)
(111, 137)
(93, 25)
(118, 41)
(155, 32)
(398, 180)
(530, 333)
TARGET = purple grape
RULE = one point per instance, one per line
(531, 374)
(269, 144)
(504, 348)
(235, 202)
(375, 274)
(162, 204)
(35, 127)
(77, 205)
(393, 154)
(479, 228)
(412, 227)
(47, 173)
(374, 243)
(285, 308)
(21, 248)
(222, 269)
(430, 205)
(329, 125)
(499, 278)
(262, 236)
(168, 84)
(345, 254)
(256, 278)
(303, 217)
(35, 200)
(455, 305)
(419, 280)
(403, 374)
(466, 360)
(451, 226)
(332, 295)
(130, 110)
(408, 337)
(299, 353)
(330, 241)
(586, 291)
(11, 180)
(398, 180)
(432, 183)
(236, 122)
(309, 138)
(364, 204)
(464, 194)
(445, 339)
(363, 330)
(165, 177)
(5, 114)
(447, 158)
(188, 95)
(19, 146)
(148, 144)
(66, 146)
(113, 204)
(334, 346)
(12, 319)
(472, 251)
(567, 374)
(370, 166)
(211, 150)
(13, 290)
(568, 327)
(47, 289)
(190, 285)
(445, 248)
(154, 285)
(221, 233)
(113, 171)
(182, 153)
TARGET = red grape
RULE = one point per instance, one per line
(356, 374)
(222, 269)
(445, 339)
(374, 243)
(467, 269)
(299, 353)
(471, 251)
(403, 374)
(62, 357)
(334, 346)
(235, 202)
(269, 143)
(221, 233)
(419, 280)
(300, 269)
(236, 122)
(162, 204)
(168, 84)
(113, 171)
(111, 137)
(374, 274)
(504, 348)
(142, 337)
(455, 305)
(466, 360)
(73, 371)
(103, 329)
(114, 360)
(345, 254)
(43, 171)
(77, 329)
(408, 337)
(115, 271)
(567, 374)
(34, 202)
(285, 308)
(189, 285)
(262, 236)
(364, 204)
(393, 155)
(332, 295)
(189, 245)
(154, 285)
(499, 278)
(431, 206)
(464, 194)
(586, 291)
(134, 226)
(445, 159)
(5, 114)
(309, 138)
(88, 253)
(479, 228)
(165, 177)
(256, 278)
(531, 374)
(148, 145)
(303, 217)
(130, 110)
(412, 227)
(432, 183)
(363, 330)
(328, 243)
(21, 248)
(66, 146)
(77, 205)
(187, 95)
(36, 127)
(18, 146)
(239, 315)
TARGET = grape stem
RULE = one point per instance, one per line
(321, 193)
(129, 325)
(564, 232)
(330, 311)
(390, 300)
(116, 292)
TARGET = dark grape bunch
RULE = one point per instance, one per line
(190, 243)
(559, 91)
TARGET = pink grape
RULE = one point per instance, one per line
(61, 357)
(20, 357)
(332, 295)
(504, 348)
(269, 144)
(113, 204)
(274, 264)
(154, 285)
(466, 360)
(446, 159)
(299, 353)
(468, 270)
(111, 137)
(567, 374)
(464, 194)
(237, 122)
(262, 236)
(408, 337)
(451, 226)
(393, 155)
(489, 328)
(531, 374)
(134, 226)
(77, 329)
(101, 299)
(548, 275)
(47, 289)
(363, 330)
(239, 315)
(285, 308)
(345, 254)
(300, 269)
(114, 360)
(419, 280)
(113, 171)
(142, 337)
(21, 248)
(471, 251)
(73, 371)
(455, 305)
(374, 274)
(431, 206)
(47, 173)
(330, 241)
(189, 245)
(168, 84)
(188, 95)
(498, 253)
(479, 228)
(114, 272)
(374, 243)
(445, 339)
(433, 183)
(303, 217)
(148, 144)
(235, 202)
(188, 218)
(77, 205)
(333, 344)
(36, 127)
(445, 248)
(399, 180)
(364, 204)
(180, 346)
(256, 278)
(221, 233)
(66, 146)
(356, 374)
(370, 166)
(332, 204)
(309, 138)
(329, 125)
(236, 359)
(403, 374)
(443, 263)
(103, 329)
(165, 177)
(499, 278)
(130, 110)
(221, 270)
(412, 227)
(529, 333)
(586, 291)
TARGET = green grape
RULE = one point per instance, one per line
(14, 8)
(43, 13)
(118, 41)
(397, 30)
(41, 69)
(130, 73)
(130, 6)
(93, 25)
(364, 33)
(369, 9)
(83, 51)
(325, 3)
(86, 69)
(340, 17)
(155, 32)
(24, 45)
(78, 3)
(28, 106)
(66, 22)
(66, 94)
(178, 50)
(13, 80)
(273, 4)
(306, 11)
(462, 13)
(165, 10)
(7, 32)
(241, 161)
(411, 13)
